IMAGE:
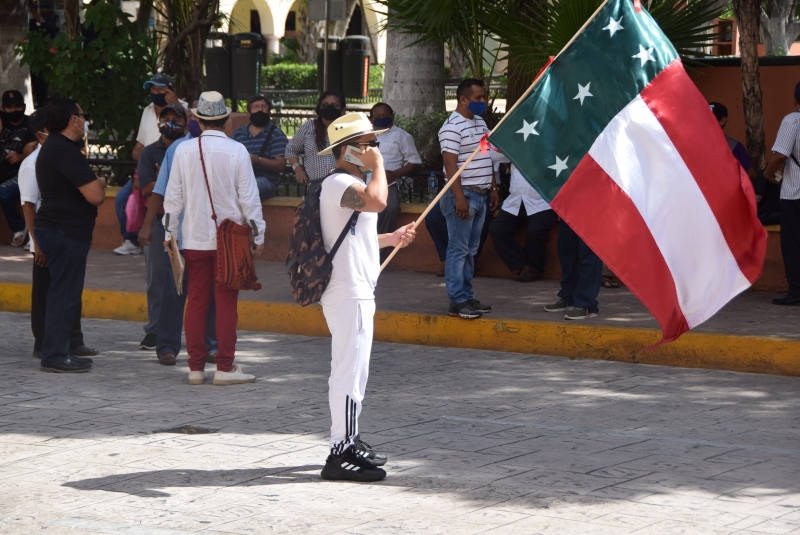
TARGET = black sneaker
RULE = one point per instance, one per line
(68, 366)
(464, 310)
(149, 342)
(351, 467)
(83, 351)
(476, 305)
(365, 451)
(788, 301)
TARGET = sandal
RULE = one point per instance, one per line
(19, 237)
(610, 282)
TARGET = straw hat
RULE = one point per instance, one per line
(347, 127)
(211, 106)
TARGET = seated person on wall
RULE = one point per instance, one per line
(400, 158)
(16, 142)
(524, 205)
(721, 113)
(266, 144)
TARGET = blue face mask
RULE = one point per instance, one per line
(382, 122)
(194, 128)
(477, 108)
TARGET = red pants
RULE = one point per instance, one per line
(200, 284)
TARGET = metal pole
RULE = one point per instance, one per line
(325, 50)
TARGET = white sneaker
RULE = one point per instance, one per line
(233, 377)
(197, 378)
(127, 248)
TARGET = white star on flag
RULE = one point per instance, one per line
(583, 92)
(528, 129)
(559, 166)
(613, 26)
(645, 54)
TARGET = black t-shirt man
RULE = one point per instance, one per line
(60, 170)
(13, 138)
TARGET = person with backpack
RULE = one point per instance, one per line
(784, 169)
(348, 219)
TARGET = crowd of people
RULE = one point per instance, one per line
(191, 176)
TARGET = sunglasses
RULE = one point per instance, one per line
(374, 144)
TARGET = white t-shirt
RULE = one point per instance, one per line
(398, 149)
(461, 136)
(148, 126)
(28, 188)
(356, 265)
(522, 193)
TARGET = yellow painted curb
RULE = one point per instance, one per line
(778, 356)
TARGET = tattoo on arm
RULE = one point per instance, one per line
(351, 199)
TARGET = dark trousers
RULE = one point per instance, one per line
(66, 258)
(504, 229)
(581, 270)
(790, 243)
(387, 220)
(436, 225)
(39, 288)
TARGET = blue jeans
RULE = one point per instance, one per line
(9, 202)
(170, 316)
(463, 240)
(581, 270)
(267, 189)
(120, 201)
(66, 259)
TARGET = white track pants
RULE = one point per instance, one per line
(351, 331)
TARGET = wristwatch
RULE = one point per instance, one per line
(495, 188)
(294, 166)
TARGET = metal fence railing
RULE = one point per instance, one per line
(494, 92)
(307, 98)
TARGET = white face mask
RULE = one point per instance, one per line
(85, 127)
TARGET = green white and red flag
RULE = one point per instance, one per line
(626, 150)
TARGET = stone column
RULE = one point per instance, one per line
(13, 26)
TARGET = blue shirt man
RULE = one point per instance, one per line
(266, 144)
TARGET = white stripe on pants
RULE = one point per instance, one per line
(351, 342)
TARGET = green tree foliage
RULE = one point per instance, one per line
(425, 131)
(105, 76)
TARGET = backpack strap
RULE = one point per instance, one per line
(266, 141)
(208, 188)
(351, 225)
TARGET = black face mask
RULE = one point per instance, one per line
(329, 112)
(15, 116)
(159, 99)
(259, 119)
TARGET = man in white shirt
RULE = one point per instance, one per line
(211, 169)
(466, 203)
(349, 207)
(786, 157)
(40, 282)
(523, 204)
(400, 158)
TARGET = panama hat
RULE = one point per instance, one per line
(347, 127)
(211, 106)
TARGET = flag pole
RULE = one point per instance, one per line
(478, 148)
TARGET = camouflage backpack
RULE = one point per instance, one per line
(308, 264)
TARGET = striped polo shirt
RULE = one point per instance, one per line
(788, 143)
(276, 147)
(462, 136)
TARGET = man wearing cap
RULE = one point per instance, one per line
(16, 142)
(348, 302)
(212, 169)
(170, 316)
(172, 126)
(721, 113)
(162, 92)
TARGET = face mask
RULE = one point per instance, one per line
(159, 99)
(15, 116)
(85, 126)
(382, 122)
(330, 112)
(171, 130)
(477, 108)
(259, 119)
(194, 128)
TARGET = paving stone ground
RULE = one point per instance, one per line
(751, 313)
(479, 442)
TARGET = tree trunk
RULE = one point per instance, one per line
(13, 27)
(458, 61)
(779, 28)
(308, 32)
(748, 15)
(143, 15)
(414, 78)
(72, 18)
(518, 79)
